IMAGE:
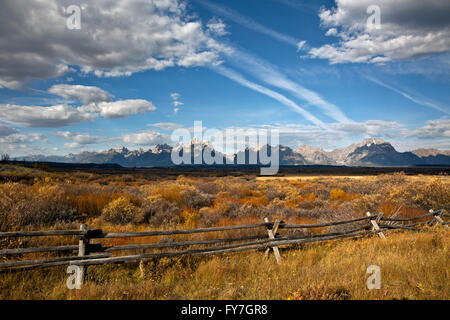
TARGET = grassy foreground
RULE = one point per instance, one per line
(413, 266)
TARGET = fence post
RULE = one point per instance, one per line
(141, 269)
(437, 217)
(83, 250)
(271, 233)
(375, 226)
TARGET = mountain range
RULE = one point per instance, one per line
(370, 152)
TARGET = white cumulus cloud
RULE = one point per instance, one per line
(49, 117)
(166, 125)
(408, 29)
(85, 94)
(217, 26)
(6, 130)
(116, 38)
(98, 102)
(79, 139)
(121, 108)
(145, 138)
(438, 128)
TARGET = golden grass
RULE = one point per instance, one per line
(413, 266)
(310, 177)
(443, 178)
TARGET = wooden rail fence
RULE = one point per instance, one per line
(90, 253)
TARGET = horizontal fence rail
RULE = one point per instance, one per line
(33, 262)
(36, 250)
(89, 253)
(429, 214)
(175, 232)
(327, 224)
(41, 233)
(175, 244)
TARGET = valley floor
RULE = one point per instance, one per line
(412, 265)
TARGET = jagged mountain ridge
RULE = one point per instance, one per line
(370, 152)
(423, 153)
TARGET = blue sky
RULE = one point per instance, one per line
(315, 70)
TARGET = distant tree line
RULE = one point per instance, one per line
(5, 157)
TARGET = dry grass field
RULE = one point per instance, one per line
(413, 265)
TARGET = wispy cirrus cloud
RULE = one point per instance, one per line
(235, 76)
(419, 101)
(248, 22)
(270, 74)
(301, 6)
